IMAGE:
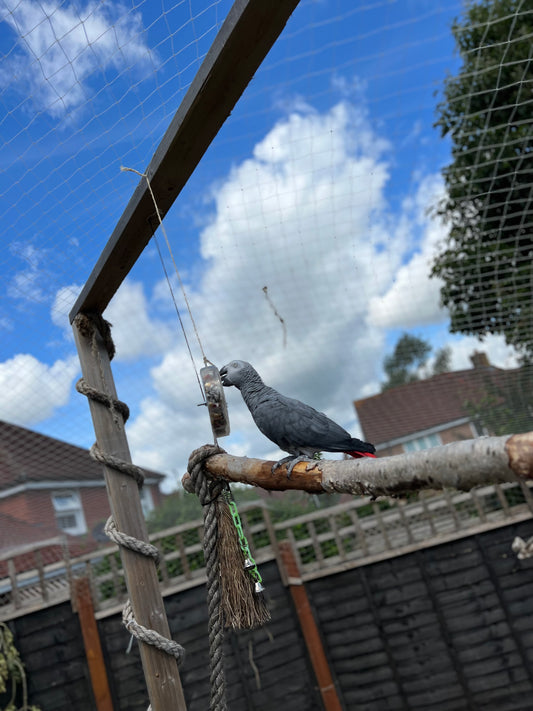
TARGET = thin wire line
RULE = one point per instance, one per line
(206, 361)
(177, 311)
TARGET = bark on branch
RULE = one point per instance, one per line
(459, 465)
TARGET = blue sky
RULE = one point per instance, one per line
(316, 187)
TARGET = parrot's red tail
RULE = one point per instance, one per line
(358, 455)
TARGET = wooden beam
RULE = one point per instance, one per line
(160, 669)
(248, 33)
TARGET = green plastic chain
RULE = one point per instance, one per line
(251, 565)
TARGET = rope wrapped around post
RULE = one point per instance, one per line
(89, 325)
(208, 491)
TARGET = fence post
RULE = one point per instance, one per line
(83, 605)
(313, 642)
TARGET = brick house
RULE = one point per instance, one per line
(430, 412)
(49, 488)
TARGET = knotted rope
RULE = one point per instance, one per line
(119, 464)
(217, 518)
(208, 492)
(89, 325)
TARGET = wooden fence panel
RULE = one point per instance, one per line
(442, 624)
(266, 669)
(51, 648)
(447, 628)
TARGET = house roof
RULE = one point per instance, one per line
(423, 404)
(27, 456)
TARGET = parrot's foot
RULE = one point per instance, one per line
(291, 462)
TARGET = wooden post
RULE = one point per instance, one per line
(12, 571)
(309, 628)
(160, 669)
(83, 604)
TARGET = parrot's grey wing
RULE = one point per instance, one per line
(292, 424)
(319, 430)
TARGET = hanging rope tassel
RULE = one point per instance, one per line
(231, 597)
(243, 603)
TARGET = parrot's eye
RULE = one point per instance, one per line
(235, 364)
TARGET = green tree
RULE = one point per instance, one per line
(506, 403)
(408, 362)
(13, 682)
(443, 360)
(486, 262)
(181, 507)
(410, 354)
(178, 507)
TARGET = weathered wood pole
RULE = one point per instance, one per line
(160, 669)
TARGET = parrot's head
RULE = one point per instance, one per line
(236, 373)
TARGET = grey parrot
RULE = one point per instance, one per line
(295, 427)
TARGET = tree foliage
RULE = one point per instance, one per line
(408, 362)
(13, 683)
(506, 405)
(443, 360)
(486, 263)
(178, 507)
(181, 507)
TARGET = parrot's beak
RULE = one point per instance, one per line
(223, 377)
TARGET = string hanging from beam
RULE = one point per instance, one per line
(178, 275)
(234, 585)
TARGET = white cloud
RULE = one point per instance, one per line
(306, 217)
(413, 298)
(136, 333)
(499, 353)
(64, 300)
(28, 283)
(62, 45)
(32, 389)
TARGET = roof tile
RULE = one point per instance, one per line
(423, 404)
(27, 456)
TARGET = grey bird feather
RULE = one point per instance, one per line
(295, 427)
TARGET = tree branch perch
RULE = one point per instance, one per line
(459, 465)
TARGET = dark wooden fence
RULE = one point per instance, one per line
(328, 540)
(448, 627)
(441, 623)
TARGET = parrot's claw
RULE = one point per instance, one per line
(291, 462)
(281, 462)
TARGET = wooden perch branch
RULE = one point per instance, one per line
(459, 465)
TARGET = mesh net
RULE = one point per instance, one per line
(376, 141)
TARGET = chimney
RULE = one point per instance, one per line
(480, 359)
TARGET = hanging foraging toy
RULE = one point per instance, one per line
(215, 400)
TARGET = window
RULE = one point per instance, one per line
(69, 512)
(422, 443)
(147, 503)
